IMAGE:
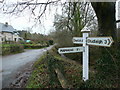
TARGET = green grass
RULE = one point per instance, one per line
(43, 75)
(34, 46)
(39, 77)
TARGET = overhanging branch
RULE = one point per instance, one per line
(29, 3)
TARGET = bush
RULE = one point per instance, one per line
(108, 69)
(12, 48)
(50, 42)
(34, 46)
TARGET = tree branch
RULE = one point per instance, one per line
(28, 3)
(2, 1)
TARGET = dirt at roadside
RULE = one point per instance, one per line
(21, 77)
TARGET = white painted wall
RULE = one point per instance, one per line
(0, 37)
(8, 36)
(16, 36)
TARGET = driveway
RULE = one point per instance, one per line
(12, 64)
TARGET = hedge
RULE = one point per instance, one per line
(11, 48)
(34, 46)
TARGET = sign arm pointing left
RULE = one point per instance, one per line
(70, 50)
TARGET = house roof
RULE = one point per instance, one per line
(6, 28)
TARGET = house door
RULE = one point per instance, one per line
(15, 39)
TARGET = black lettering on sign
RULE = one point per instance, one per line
(78, 40)
(65, 50)
(95, 41)
(105, 41)
(100, 42)
(81, 40)
(74, 40)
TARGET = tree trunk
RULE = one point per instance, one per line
(105, 12)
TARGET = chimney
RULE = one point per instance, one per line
(6, 24)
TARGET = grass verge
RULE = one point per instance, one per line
(44, 75)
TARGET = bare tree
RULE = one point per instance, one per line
(35, 7)
(76, 15)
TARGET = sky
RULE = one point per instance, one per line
(23, 21)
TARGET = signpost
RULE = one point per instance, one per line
(85, 55)
(86, 41)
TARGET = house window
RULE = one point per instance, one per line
(8, 39)
(2, 39)
(15, 39)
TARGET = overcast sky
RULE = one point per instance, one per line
(23, 21)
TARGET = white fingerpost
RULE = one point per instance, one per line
(85, 40)
(85, 32)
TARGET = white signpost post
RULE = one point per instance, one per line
(85, 32)
(86, 41)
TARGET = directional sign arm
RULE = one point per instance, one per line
(70, 50)
(100, 41)
(97, 41)
(77, 40)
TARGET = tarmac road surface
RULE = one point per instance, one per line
(11, 64)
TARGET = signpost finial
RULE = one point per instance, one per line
(85, 29)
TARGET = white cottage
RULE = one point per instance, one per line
(8, 33)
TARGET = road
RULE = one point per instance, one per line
(11, 64)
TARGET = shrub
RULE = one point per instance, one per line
(50, 42)
(34, 46)
(107, 67)
(11, 48)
